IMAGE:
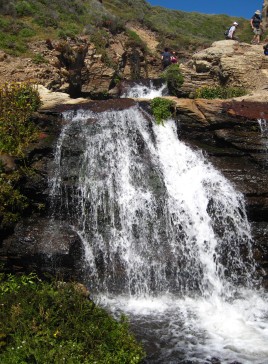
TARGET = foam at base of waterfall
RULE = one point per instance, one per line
(198, 329)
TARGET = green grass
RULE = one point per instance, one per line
(219, 92)
(50, 323)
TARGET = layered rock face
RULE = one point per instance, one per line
(235, 144)
(227, 131)
(226, 63)
(78, 66)
(265, 14)
(238, 147)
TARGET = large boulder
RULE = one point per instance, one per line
(226, 63)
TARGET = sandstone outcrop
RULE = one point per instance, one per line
(226, 63)
(78, 65)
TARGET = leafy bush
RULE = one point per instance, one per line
(38, 58)
(17, 103)
(113, 23)
(162, 109)
(174, 79)
(100, 38)
(27, 32)
(43, 322)
(219, 92)
(12, 202)
(45, 20)
(23, 8)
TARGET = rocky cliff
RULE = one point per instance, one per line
(227, 131)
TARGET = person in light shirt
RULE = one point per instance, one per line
(232, 30)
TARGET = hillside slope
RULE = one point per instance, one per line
(22, 21)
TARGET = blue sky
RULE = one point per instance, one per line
(239, 8)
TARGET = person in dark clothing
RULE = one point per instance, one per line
(256, 25)
(265, 49)
(166, 58)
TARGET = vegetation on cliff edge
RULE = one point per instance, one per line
(17, 103)
(219, 92)
(161, 109)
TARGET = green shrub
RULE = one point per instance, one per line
(219, 92)
(46, 20)
(113, 23)
(17, 103)
(12, 44)
(100, 38)
(38, 58)
(162, 109)
(23, 8)
(56, 322)
(174, 79)
(27, 32)
(12, 202)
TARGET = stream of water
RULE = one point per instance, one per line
(146, 91)
(166, 237)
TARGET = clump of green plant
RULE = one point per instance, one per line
(174, 79)
(17, 103)
(44, 322)
(38, 58)
(12, 202)
(24, 8)
(100, 38)
(135, 41)
(219, 92)
(162, 109)
(113, 23)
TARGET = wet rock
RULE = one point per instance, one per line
(44, 246)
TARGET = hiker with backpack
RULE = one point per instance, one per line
(230, 33)
(256, 25)
(166, 58)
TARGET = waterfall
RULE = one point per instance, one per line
(166, 237)
(146, 91)
(263, 125)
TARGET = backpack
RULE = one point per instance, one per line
(256, 20)
(227, 32)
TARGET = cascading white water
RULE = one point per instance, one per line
(143, 91)
(263, 126)
(163, 233)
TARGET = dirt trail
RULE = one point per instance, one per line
(147, 36)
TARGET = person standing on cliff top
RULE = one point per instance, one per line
(231, 32)
(256, 25)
